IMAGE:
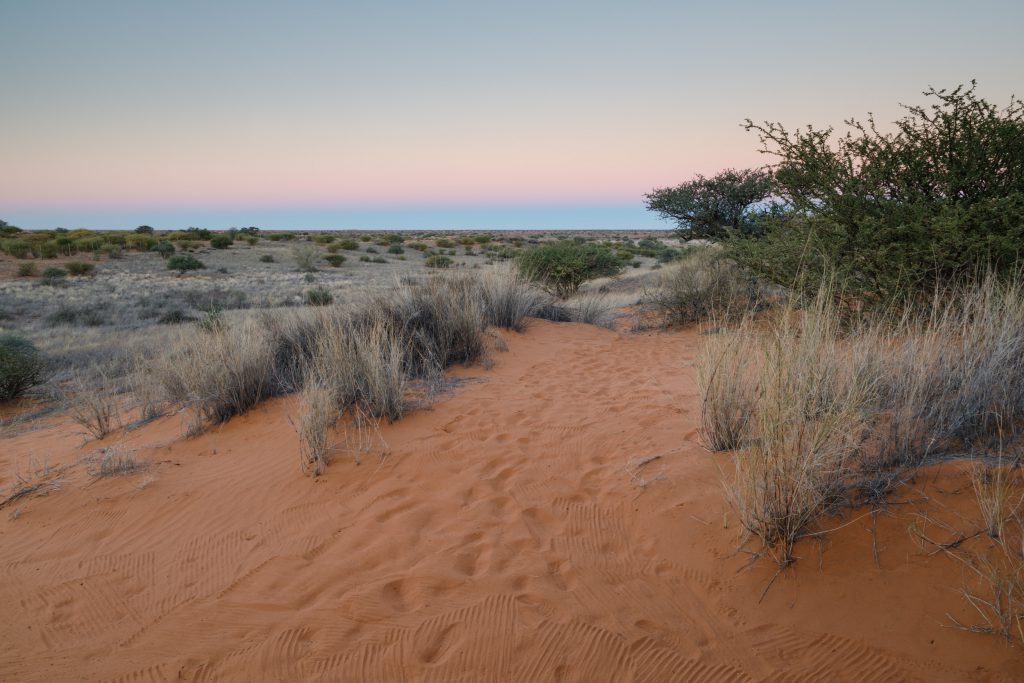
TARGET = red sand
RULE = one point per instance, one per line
(505, 537)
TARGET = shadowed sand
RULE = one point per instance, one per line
(510, 534)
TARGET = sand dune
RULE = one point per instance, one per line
(552, 518)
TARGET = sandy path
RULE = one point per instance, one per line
(506, 537)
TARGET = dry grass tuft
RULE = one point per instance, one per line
(116, 461)
(728, 390)
(701, 287)
(317, 414)
(92, 403)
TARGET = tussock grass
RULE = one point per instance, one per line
(727, 390)
(317, 414)
(351, 363)
(837, 402)
(116, 461)
(509, 298)
(703, 286)
(92, 403)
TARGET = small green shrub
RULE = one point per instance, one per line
(564, 265)
(183, 262)
(349, 244)
(80, 267)
(335, 260)
(319, 296)
(364, 258)
(371, 250)
(54, 273)
(27, 269)
(164, 248)
(437, 261)
(21, 366)
(267, 258)
(396, 249)
(221, 241)
(444, 243)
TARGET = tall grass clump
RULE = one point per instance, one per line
(840, 406)
(92, 402)
(810, 422)
(217, 373)
(509, 298)
(728, 390)
(702, 286)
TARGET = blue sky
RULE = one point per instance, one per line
(444, 114)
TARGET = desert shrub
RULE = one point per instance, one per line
(349, 244)
(251, 240)
(183, 262)
(54, 273)
(175, 316)
(164, 248)
(48, 250)
(396, 249)
(318, 296)
(371, 250)
(323, 239)
(112, 251)
(21, 366)
(305, 256)
(335, 260)
(364, 258)
(70, 314)
(418, 246)
(890, 212)
(79, 267)
(18, 248)
(221, 241)
(26, 269)
(444, 243)
(378, 259)
(437, 261)
(564, 265)
(267, 258)
(703, 286)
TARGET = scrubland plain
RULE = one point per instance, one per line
(387, 470)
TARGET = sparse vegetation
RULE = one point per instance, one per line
(184, 262)
(562, 266)
(21, 366)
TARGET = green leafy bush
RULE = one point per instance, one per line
(183, 262)
(221, 241)
(939, 197)
(27, 269)
(79, 267)
(437, 261)
(164, 248)
(267, 258)
(349, 244)
(562, 266)
(335, 260)
(21, 366)
(54, 273)
(319, 296)
(396, 249)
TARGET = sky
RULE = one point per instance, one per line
(443, 114)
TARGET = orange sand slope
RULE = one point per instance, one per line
(507, 536)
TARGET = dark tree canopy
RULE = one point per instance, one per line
(711, 208)
(939, 193)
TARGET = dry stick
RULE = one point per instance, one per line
(21, 493)
(874, 539)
